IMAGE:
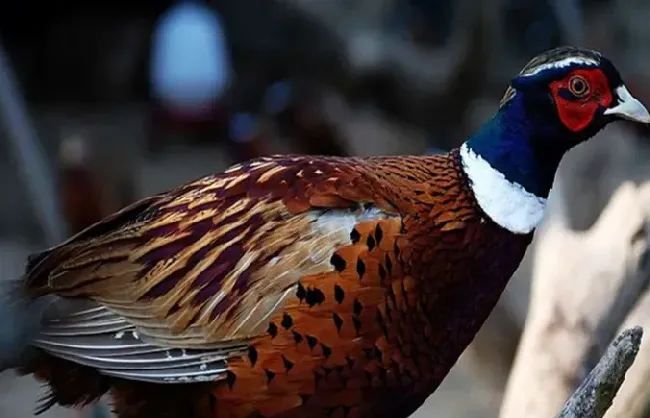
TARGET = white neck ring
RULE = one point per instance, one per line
(507, 203)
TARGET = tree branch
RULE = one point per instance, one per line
(596, 393)
(633, 398)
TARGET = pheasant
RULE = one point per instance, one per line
(293, 286)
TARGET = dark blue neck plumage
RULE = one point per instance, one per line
(526, 147)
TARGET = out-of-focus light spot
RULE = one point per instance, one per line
(277, 97)
(190, 66)
(242, 127)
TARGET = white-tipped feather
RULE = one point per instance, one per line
(89, 334)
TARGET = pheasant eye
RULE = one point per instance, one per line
(578, 86)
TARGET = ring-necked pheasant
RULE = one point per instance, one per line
(295, 286)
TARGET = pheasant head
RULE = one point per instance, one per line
(561, 98)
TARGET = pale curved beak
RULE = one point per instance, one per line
(628, 107)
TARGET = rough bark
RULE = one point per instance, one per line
(633, 400)
(596, 393)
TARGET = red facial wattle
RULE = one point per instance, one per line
(575, 112)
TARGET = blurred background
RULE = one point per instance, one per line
(102, 103)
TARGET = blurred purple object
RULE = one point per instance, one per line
(277, 98)
(243, 127)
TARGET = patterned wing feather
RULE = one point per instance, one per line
(89, 334)
(205, 267)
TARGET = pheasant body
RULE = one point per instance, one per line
(322, 289)
(375, 336)
(292, 286)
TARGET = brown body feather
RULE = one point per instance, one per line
(333, 287)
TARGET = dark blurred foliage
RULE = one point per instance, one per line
(61, 51)
(58, 47)
(99, 53)
(430, 22)
(531, 26)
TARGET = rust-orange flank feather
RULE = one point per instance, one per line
(288, 286)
